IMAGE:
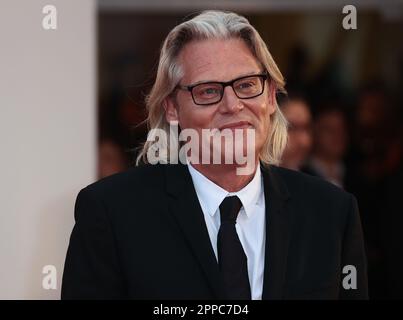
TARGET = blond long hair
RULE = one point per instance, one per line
(212, 24)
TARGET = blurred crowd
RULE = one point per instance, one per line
(355, 142)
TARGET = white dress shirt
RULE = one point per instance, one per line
(250, 224)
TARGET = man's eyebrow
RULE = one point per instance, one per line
(240, 76)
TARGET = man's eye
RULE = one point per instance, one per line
(246, 85)
(208, 91)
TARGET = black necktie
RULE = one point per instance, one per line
(232, 259)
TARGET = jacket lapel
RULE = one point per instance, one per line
(185, 207)
(277, 233)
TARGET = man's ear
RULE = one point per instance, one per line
(171, 112)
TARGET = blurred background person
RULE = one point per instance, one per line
(330, 143)
(296, 110)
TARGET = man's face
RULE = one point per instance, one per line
(221, 60)
(331, 135)
(299, 133)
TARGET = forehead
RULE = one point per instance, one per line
(216, 60)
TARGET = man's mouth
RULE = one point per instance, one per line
(236, 125)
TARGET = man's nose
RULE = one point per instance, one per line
(230, 102)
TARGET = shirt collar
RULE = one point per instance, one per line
(211, 195)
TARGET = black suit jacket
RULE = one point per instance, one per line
(141, 234)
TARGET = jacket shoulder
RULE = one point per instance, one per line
(136, 179)
(310, 187)
(316, 200)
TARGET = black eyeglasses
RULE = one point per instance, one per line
(208, 93)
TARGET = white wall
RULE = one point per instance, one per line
(47, 137)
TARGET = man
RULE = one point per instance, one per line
(201, 229)
(298, 115)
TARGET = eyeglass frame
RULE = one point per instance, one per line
(264, 76)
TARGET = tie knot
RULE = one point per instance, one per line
(229, 209)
